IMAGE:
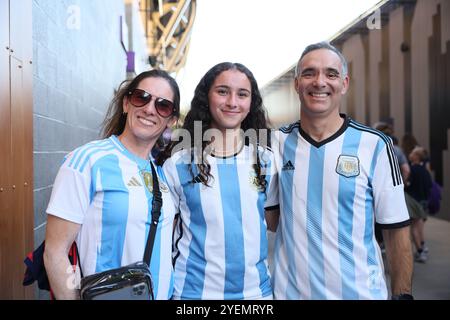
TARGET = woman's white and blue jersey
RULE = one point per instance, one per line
(331, 195)
(220, 241)
(108, 190)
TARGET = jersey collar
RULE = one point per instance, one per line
(127, 153)
(329, 139)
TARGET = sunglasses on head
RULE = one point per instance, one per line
(140, 98)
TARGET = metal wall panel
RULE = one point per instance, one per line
(16, 147)
(5, 149)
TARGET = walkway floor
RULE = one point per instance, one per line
(431, 280)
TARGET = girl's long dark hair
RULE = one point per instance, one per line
(256, 119)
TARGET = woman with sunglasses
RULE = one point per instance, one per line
(102, 195)
(220, 189)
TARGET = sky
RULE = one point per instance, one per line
(267, 36)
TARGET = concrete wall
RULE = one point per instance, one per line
(354, 52)
(78, 62)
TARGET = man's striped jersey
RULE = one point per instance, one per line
(108, 190)
(331, 195)
(220, 240)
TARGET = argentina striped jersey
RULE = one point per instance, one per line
(108, 190)
(220, 240)
(331, 195)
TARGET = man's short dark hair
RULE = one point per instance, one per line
(324, 45)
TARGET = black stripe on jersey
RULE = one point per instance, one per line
(390, 149)
(290, 127)
(397, 167)
(273, 207)
(397, 225)
(395, 170)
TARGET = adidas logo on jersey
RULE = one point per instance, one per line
(288, 166)
(134, 183)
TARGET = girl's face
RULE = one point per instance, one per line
(229, 99)
(144, 124)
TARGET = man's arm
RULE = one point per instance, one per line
(399, 257)
(391, 212)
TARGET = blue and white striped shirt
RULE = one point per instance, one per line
(220, 241)
(108, 190)
(331, 194)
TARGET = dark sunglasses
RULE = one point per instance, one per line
(140, 98)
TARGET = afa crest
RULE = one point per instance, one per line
(148, 181)
(253, 179)
(348, 166)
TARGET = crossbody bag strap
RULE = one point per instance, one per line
(76, 256)
(156, 212)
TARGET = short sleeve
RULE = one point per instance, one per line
(71, 193)
(388, 190)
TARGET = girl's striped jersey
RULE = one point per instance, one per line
(220, 240)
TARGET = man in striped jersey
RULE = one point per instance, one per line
(337, 178)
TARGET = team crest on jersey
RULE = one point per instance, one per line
(148, 180)
(254, 181)
(348, 166)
